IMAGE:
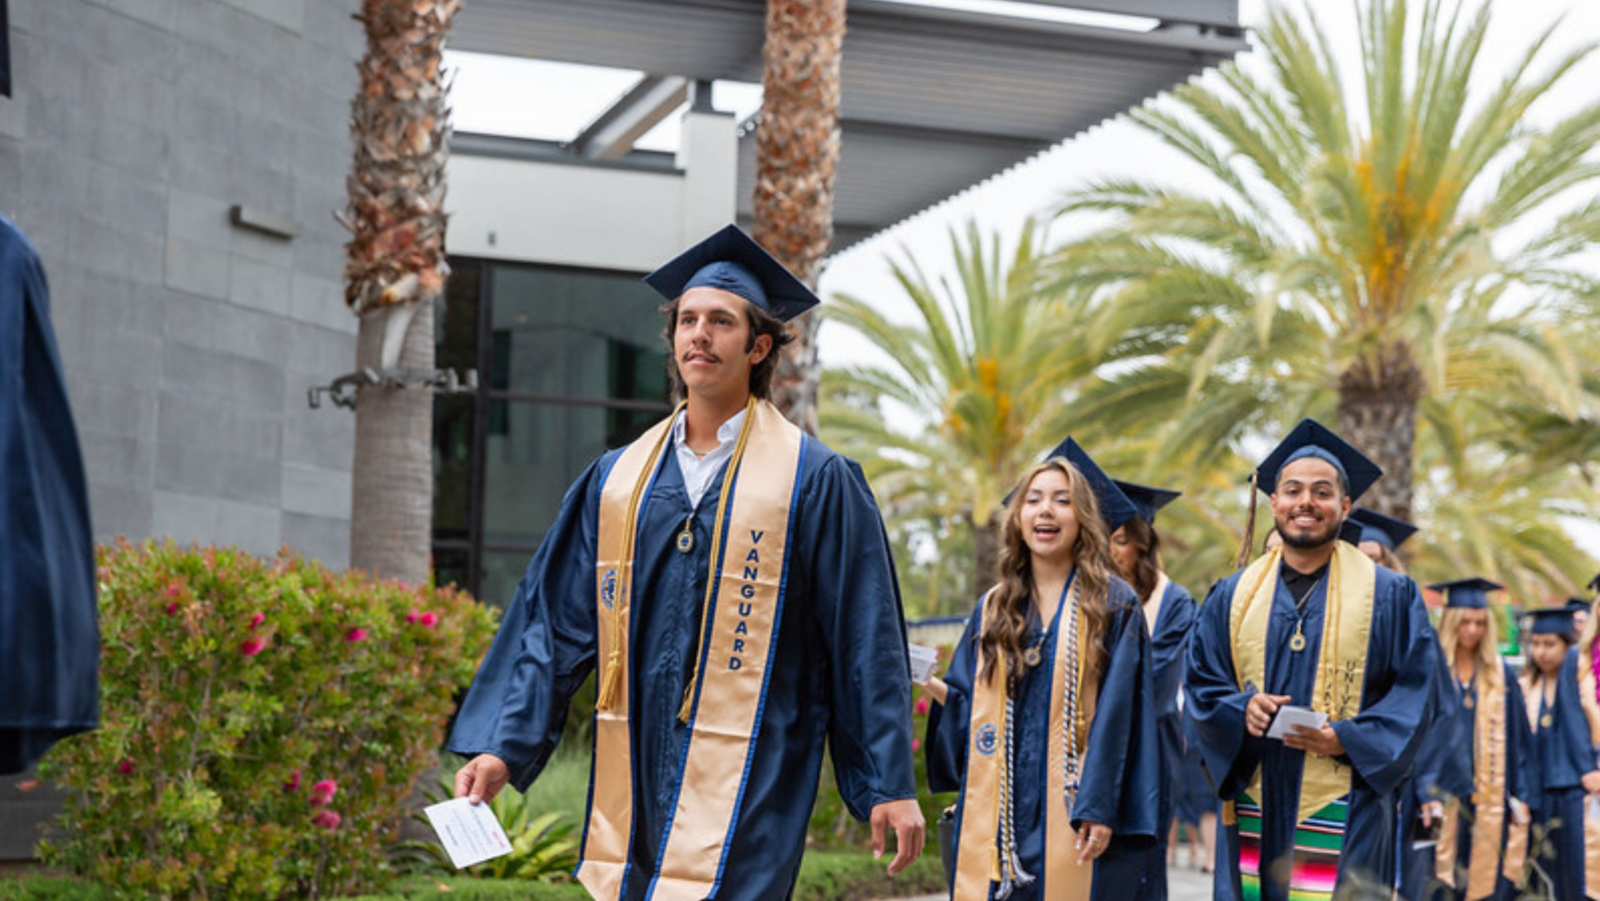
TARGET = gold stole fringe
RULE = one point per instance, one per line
(1489, 803)
(737, 635)
(1341, 661)
(978, 856)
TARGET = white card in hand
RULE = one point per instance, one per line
(923, 659)
(469, 832)
(1290, 716)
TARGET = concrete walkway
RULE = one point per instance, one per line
(1183, 884)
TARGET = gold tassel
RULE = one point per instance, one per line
(1249, 525)
(688, 702)
(610, 684)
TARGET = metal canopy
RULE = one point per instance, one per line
(934, 100)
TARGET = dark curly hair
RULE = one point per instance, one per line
(761, 323)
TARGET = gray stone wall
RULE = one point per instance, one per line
(190, 342)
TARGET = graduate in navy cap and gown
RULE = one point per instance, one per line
(1566, 821)
(1045, 722)
(1312, 624)
(1483, 840)
(1169, 612)
(728, 578)
(49, 636)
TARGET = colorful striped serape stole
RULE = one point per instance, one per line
(1314, 865)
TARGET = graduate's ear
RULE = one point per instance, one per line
(759, 348)
(1344, 505)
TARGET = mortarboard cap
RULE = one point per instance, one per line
(1467, 594)
(1551, 621)
(1385, 530)
(1350, 532)
(1313, 439)
(732, 261)
(1594, 584)
(1578, 605)
(1115, 508)
(1146, 500)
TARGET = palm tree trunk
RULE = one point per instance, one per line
(986, 555)
(395, 270)
(1378, 414)
(797, 153)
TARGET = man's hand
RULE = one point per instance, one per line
(482, 778)
(1591, 782)
(937, 688)
(1432, 810)
(1322, 741)
(905, 818)
(1093, 840)
(1259, 712)
(1520, 814)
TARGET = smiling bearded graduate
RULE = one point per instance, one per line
(1313, 623)
(728, 578)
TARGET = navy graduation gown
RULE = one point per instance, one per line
(839, 673)
(1380, 742)
(1121, 766)
(49, 637)
(1563, 754)
(1169, 643)
(1439, 775)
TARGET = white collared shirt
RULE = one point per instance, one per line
(699, 471)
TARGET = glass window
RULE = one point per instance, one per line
(572, 363)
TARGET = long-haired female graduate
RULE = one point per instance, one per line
(1046, 724)
(1483, 841)
(1169, 612)
(1569, 782)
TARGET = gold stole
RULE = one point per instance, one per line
(1489, 803)
(1591, 823)
(1341, 660)
(1152, 604)
(978, 856)
(739, 629)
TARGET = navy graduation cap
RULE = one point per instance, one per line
(1577, 605)
(1551, 621)
(1467, 594)
(1115, 507)
(1594, 583)
(1313, 439)
(1385, 530)
(732, 261)
(1146, 500)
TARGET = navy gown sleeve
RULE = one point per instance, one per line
(1216, 704)
(544, 649)
(1167, 649)
(1575, 754)
(1439, 765)
(1381, 741)
(857, 604)
(945, 746)
(1522, 760)
(1122, 767)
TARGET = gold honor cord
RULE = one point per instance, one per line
(716, 549)
(624, 592)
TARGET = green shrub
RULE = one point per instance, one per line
(262, 724)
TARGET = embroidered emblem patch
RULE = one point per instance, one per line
(608, 588)
(988, 738)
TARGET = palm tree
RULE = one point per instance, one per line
(395, 270)
(797, 152)
(1351, 255)
(983, 371)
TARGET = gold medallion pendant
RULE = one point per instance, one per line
(1547, 721)
(1298, 642)
(1031, 656)
(686, 537)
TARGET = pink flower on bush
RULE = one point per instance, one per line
(429, 619)
(916, 744)
(922, 705)
(293, 783)
(172, 608)
(412, 617)
(125, 766)
(327, 819)
(174, 590)
(258, 619)
(356, 634)
(323, 792)
(252, 646)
